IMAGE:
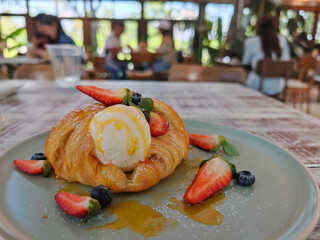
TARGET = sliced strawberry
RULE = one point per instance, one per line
(34, 166)
(214, 175)
(203, 141)
(158, 124)
(78, 206)
(106, 96)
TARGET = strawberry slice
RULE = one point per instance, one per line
(106, 96)
(78, 206)
(158, 124)
(214, 175)
(34, 166)
(203, 141)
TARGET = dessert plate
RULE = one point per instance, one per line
(282, 204)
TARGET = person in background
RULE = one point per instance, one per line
(166, 56)
(112, 47)
(49, 30)
(267, 44)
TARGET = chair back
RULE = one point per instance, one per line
(274, 69)
(99, 65)
(34, 71)
(197, 73)
(143, 57)
(308, 68)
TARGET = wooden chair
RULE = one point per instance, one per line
(268, 68)
(198, 73)
(298, 90)
(139, 58)
(99, 66)
(34, 71)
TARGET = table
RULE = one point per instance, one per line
(12, 63)
(38, 105)
(230, 62)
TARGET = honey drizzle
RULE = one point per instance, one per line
(141, 219)
(204, 213)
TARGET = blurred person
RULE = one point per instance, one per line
(166, 56)
(49, 30)
(112, 47)
(267, 44)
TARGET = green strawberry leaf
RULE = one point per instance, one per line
(203, 162)
(229, 149)
(233, 169)
(216, 148)
(94, 207)
(146, 104)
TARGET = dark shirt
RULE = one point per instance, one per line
(64, 39)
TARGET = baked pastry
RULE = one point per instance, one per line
(71, 148)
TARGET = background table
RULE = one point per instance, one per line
(38, 105)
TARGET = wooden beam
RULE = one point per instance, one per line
(315, 25)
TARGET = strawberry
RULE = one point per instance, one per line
(78, 206)
(214, 175)
(34, 166)
(106, 96)
(213, 143)
(158, 124)
(203, 141)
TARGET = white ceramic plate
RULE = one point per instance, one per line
(9, 87)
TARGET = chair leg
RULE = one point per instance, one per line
(308, 102)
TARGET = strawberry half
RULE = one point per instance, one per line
(34, 166)
(214, 175)
(78, 206)
(203, 141)
(106, 96)
(158, 124)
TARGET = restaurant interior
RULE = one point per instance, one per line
(244, 70)
(206, 41)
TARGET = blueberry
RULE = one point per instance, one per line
(245, 178)
(39, 156)
(146, 114)
(102, 194)
(136, 98)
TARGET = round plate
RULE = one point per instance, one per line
(282, 204)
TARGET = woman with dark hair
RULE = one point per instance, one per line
(267, 44)
(166, 56)
(48, 27)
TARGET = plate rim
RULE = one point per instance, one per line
(303, 235)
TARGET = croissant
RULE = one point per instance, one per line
(70, 149)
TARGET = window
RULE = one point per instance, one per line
(216, 11)
(103, 30)
(70, 8)
(13, 6)
(154, 37)
(116, 9)
(183, 35)
(130, 35)
(47, 7)
(74, 29)
(171, 10)
(16, 42)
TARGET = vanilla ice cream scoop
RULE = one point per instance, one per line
(122, 136)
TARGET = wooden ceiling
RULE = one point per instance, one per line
(307, 5)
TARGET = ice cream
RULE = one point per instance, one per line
(122, 136)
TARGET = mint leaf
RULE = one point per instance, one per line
(229, 149)
(146, 104)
